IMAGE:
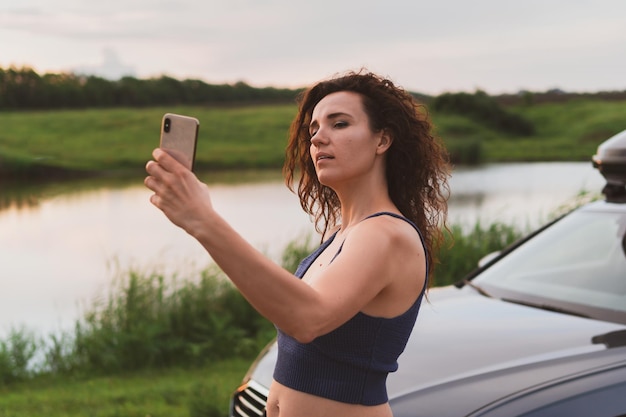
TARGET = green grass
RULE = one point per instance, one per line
(193, 392)
(255, 136)
(123, 138)
(155, 346)
(569, 131)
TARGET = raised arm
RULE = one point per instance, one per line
(366, 267)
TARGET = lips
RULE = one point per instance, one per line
(321, 156)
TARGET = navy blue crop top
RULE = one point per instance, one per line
(349, 364)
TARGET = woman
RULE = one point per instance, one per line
(375, 180)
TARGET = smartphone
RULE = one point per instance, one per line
(179, 137)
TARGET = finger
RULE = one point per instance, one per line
(159, 153)
(151, 183)
(155, 200)
(155, 177)
(167, 161)
(155, 169)
(149, 166)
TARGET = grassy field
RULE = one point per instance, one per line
(122, 139)
(175, 392)
(254, 137)
(569, 131)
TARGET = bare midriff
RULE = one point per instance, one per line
(286, 402)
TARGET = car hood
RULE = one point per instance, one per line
(460, 333)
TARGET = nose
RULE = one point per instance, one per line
(319, 138)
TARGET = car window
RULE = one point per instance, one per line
(580, 259)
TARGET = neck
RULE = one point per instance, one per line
(363, 195)
(358, 202)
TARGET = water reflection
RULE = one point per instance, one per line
(23, 194)
(524, 195)
(64, 247)
(62, 243)
(18, 195)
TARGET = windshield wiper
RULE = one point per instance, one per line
(476, 287)
(548, 308)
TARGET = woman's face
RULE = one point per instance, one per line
(343, 146)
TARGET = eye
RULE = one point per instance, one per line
(340, 124)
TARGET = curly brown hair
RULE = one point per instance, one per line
(417, 165)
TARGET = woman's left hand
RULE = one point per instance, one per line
(177, 192)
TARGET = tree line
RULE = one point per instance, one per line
(25, 89)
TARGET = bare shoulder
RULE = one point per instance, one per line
(388, 239)
(388, 232)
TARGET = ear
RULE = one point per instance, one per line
(384, 142)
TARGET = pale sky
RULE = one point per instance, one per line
(499, 46)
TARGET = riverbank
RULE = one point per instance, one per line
(75, 143)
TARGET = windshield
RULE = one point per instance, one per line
(578, 265)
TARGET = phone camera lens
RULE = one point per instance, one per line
(167, 124)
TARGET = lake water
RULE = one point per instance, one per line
(59, 249)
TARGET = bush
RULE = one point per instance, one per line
(465, 151)
(462, 250)
(17, 353)
(150, 322)
(482, 108)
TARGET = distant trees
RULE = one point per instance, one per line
(25, 89)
